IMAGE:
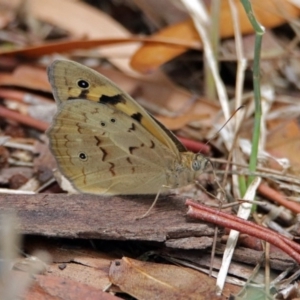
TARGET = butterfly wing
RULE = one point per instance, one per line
(103, 151)
(71, 80)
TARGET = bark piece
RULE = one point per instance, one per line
(114, 218)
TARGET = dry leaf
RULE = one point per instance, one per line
(84, 21)
(27, 77)
(57, 288)
(285, 143)
(145, 280)
(270, 13)
(91, 276)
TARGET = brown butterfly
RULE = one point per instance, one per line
(106, 143)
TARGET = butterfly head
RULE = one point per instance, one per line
(190, 167)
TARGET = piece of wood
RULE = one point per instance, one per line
(113, 218)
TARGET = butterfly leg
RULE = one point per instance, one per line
(153, 203)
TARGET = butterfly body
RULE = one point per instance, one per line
(105, 143)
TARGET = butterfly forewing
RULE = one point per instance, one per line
(66, 78)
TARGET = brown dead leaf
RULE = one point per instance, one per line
(145, 280)
(57, 288)
(81, 273)
(270, 13)
(27, 77)
(84, 21)
(149, 57)
(285, 143)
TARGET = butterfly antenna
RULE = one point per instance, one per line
(211, 163)
(234, 113)
(242, 106)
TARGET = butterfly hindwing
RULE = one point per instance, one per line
(101, 150)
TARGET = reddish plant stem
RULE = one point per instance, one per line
(277, 197)
(19, 96)
(64, 46)
(257, 227)
(243, 222)
(194, 145)
(217, 217)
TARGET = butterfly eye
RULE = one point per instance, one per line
(82, 156)
(196, 165)
(83, 84)
(113, 120)
(199, 163)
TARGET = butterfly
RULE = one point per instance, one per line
(104, 142)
